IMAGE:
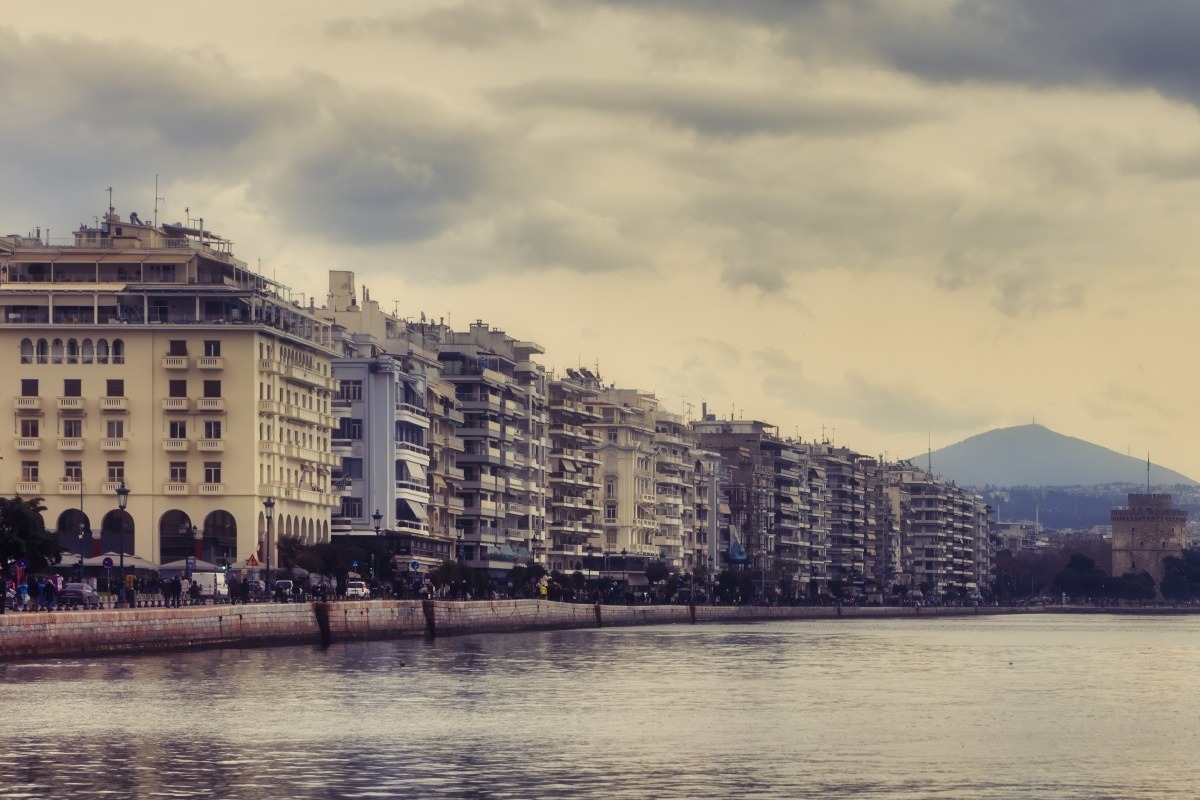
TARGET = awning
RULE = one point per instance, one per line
(416, 471)
(567, 466)
(723, 508)
(416, 509)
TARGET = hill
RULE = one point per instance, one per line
(1033, 455)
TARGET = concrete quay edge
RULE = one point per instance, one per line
(59, 634)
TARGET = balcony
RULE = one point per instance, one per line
(175, 445)
(212, 488)
(211, 445)
(70, 405)
(175, 487)
(416, 448)
(70, 444)
(69, 486)
(28, 444)
(109, 487)
(29, 487)
(210, 362)
(175, 362)
(176, 404)
(114, 404)
(26, 405)
(213, 405)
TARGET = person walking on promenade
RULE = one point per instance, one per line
(194, 592)
(51, 594)
(176, 591)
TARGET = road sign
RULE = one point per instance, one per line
(354, 564)
(252, 561)
(191, 563)
(22, 563)
(107, 562)
(415, 566)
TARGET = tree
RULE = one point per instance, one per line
(290, 548)
(23, 535)
(656, 571)
(1082, 578)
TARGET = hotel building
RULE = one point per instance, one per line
(151, 356)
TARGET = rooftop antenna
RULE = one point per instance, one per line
(929, 451)
(156, 199)
(110, 205)
(1147, 464)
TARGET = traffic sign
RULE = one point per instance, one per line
(415, 566)
(191, 563)
(22, 563)
(354, 564)
(107, 562)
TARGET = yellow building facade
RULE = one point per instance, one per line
(151, 356)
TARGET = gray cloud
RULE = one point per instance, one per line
(1144, 44)
(870, 402)
(471, 26)
(719, 111)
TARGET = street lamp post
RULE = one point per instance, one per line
(122, 499)
(377, 518)
(269, 510)
(624, 569)
(81, 528)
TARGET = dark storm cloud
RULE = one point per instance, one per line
(1125, 43)
(716, 111)
(467, 26)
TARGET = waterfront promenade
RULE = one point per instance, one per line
(71, 633)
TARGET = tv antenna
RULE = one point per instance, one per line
(156, 199)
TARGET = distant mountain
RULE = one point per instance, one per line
(1033, 455)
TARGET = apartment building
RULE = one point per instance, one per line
(850, 549)
(151, 356)
(501, 390)
(675, 493)
(628, 476)
(573, 514)
(391, 398)
(754, 453)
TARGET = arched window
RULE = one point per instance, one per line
(43, 352)
(56, 351)
(102, 351)
(88, 352)
(72, 351)
(26, 351)
(118, 351)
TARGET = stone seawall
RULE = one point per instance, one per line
(73, 633)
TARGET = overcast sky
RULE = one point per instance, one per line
(882, 220)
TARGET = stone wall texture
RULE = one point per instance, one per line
(73, 633)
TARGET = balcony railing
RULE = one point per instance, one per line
(70, 404)
(175, 362)
(28, 444)
(211, 445)
(175, 445)
(176, 404)
(210, 362)
(114, 404)
(211, 404)
(27, 404)
(70, 444)
(175, 487)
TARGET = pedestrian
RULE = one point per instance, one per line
(194, 592)
(176, 591)
(244, 587)
(51, 593)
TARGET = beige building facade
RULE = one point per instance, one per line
(151, 356)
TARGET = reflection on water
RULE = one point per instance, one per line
(998, 707)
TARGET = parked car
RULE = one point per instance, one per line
(283, 591)
(257, 588)
(357, 590)
(74, 595)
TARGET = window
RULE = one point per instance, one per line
(73, 471)
(610, 487)
(29, 471)
(177, 388)
(350, 390)
(72, 428)
(30, 429)
(178, 472)
(178, 347)
(72, 387)
(352, 467)
(116, 387)
(177, 429)
(610, 512)
(29, 387)
(612, 434)
(116, 471)
(212, 471)
(212, 388)
(114, 429)
(212, 429)
(349, 428)
(212, 348)
(352, 507)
